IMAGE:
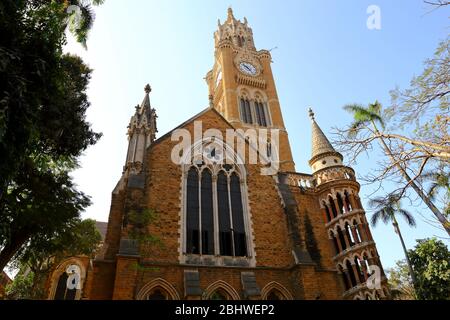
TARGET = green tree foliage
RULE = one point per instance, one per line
(431, 262)
(423, 111)
(44, 252)
(21, 287)
(413, 136)
(139, 222)
(43, 129)
(386, 210)
(400, 282)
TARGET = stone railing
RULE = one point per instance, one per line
(302, 180)
(335, 173)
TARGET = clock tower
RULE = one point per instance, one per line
(241, 84)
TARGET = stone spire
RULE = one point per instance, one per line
(236, 31)
(321, 146)
(320, 143)
(141, 133)
(230, 16)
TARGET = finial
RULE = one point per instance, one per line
(218, 22)
(230, 13)
(245, 21)
(147, 88)
(311, 114)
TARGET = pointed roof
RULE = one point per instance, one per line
(320, 143)
(145, 105)
(144, 115)
(230, 16)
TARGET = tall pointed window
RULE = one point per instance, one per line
(261, 114)
(246, 113)
(240, 243)
(224, 216)
(192, 208)
(207, 225)
(215, 220)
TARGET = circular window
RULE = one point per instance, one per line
(335, 161)
(324, 162)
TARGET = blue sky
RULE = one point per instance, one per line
(323, 54)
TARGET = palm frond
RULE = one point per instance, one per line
(376, 216)
(432, 190)
(354, 128)
(377, 118)
(408, 217)
(376, 202)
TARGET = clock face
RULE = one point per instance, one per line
(247, 68)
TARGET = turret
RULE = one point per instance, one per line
(141, 133)
(239, 33)
(323, 154)
(355, 254)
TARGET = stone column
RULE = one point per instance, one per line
(346, 239)
(369, 234)
(336, 205)
(338, 241)
(355, 235)
(362, 232)
(348, 278)
(356, 273)
(353, 201)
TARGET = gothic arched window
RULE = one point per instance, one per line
(246, 112)
(207, 213)
(340, 203)
(158, 294)
(333, 207)
(341, 238)
(240, 242)
(327, 211)
(261, 114)
(347, 201)
(192, 208)
(219, 295)
(62, 292)
(274, 294)
(215, 210)
(335, 242)
(351, 273)
(224, 215)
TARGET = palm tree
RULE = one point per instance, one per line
(371, 115)
(81, 25)
(386, 210)
(440, 182)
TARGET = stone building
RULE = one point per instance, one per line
(227, 227)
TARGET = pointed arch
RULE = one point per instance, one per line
(56, 284)
(340, 203)
(352, 275)
(221, 285)
(327, 211)
(340, 236)
(161, 284)
(347, 201)
(333, 207)
(345, 278)
(279, 288)
(221, 224)
(349, 234)
(335, 241)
